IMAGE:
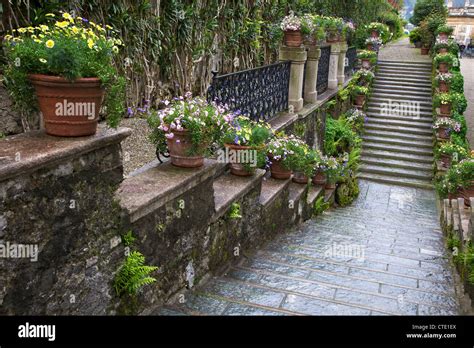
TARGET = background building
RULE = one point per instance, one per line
(461, 17)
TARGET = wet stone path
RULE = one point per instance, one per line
(383, 255)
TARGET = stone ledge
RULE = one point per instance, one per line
(229, 188)
(37, 149)
(296, 191)
(271, 188)
(314, 193)
(330, 196)
(282, 120)
(144, 193)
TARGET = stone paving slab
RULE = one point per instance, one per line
(358, 260)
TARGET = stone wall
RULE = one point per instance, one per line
(10, 121)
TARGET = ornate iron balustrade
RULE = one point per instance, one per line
(258, 93)
(323, 69)
(351, 57)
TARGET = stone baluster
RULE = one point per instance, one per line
(311, 77)
(297, 56)
(341, 66)
(333, 65)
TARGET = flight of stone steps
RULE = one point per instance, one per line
(398, 141)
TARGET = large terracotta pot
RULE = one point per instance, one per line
(70, 109)
(239, 169)
(366, 64)
(278, 171)
(370, 46)
(332, 36)
(445, 160)
(330, 186)
(443, 86)
(319, 178)
(293, 38)
(467, 193)
(375, 34)
(445, 109)
(443, 67)
(360, 99)
(179, 147)
(300, 178)
(443, 132)
(425, 51)
(443, 50)
(443, 36)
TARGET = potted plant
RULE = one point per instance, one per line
(444, 126)
(188, 127)
(319, 170)
(444, 31)
(244, 141)
(357, 118)
(301, 162)
(332, 173)
(375, 29)
(449, 101)
(65, 68)
(367, 58)
(280, 150)
(373, 43)
(359, 94)
(364, 77)
(312, 30)
(442, 81)
(465, 170)
(441, 47)
(444, 61)
(449, 152)
(415, 37)
(334, 28)
(291, 27)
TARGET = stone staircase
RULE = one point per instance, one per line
(397, 144)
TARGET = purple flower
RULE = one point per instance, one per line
(236, 140)
(129, 112)
(141, 109)
(85, 20)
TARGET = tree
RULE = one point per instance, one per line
(424, 8)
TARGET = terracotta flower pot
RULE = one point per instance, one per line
(375, 34)
(239, 169)
(443, 86)
(366, 64)
(418, 44)
(278, 171)
(443, 51)
(330, 186)
(293, 38)
(332, 36)
(70, 109)
(179, 147)
(300, 178)
(445, 109)
(467, 193)
(425, 51)
(319, 179)
(445, 160)
(443, 67)
(370, 46)
(360, 99)
(443, 132)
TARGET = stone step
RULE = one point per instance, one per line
(426, 92)
(395, 141)
(395, 163)
(402, 149)
(384, 101)
(399, 77)
(414, 84)
(405, 69)
(407, 137)
(408, 122)
(399, 129)
(425, 109)
(404, 88)
(390, 155)
(404, 72)
(403, 80)
(398, 172)
(404, 63)
(402, 118)
(381, 112)
(395, 180)
(271, 189)
(414, 98)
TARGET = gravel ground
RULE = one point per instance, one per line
(137, 149)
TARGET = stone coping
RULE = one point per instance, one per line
(28, 152)
(144, 193)
(229, 188)
(271, 188)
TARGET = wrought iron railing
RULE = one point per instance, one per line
(351, 60)
(259, 93)
(323, 69)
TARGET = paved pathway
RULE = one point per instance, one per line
(401, 51)
(383, 255)
(467, 69)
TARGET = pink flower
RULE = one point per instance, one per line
(169, 136)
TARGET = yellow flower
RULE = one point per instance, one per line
(63, 24)
(37, 41)
(115, 49)
(90, 43)
(75, 30)
(50, 15)
(22, 30)
(108, 27)
(42, 60)
(67, 16)
(44, 27)
(50, 43)
(8, 37)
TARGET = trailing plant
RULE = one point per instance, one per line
(312, 27)
(234, 212)
(303, 159)
(364, 77)
(290, 151)
(205, 123)
(449, 123)
(457, 82)
(69, 47)
(133, 275)
(457, 100)
(291, 23)
(460, 175)
(320, 206)
(448, 58)
(360, 90)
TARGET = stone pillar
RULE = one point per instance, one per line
(297, 56)
(333, 65)
(341, 66)
(311, 77)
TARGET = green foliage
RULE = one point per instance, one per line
(457, 83)
(234, 212)
(128, 238)
(320, 206)
(445, 29)
(347, 192)
(424, 8)
(340, 137)
(133, 274)
(415, 35)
